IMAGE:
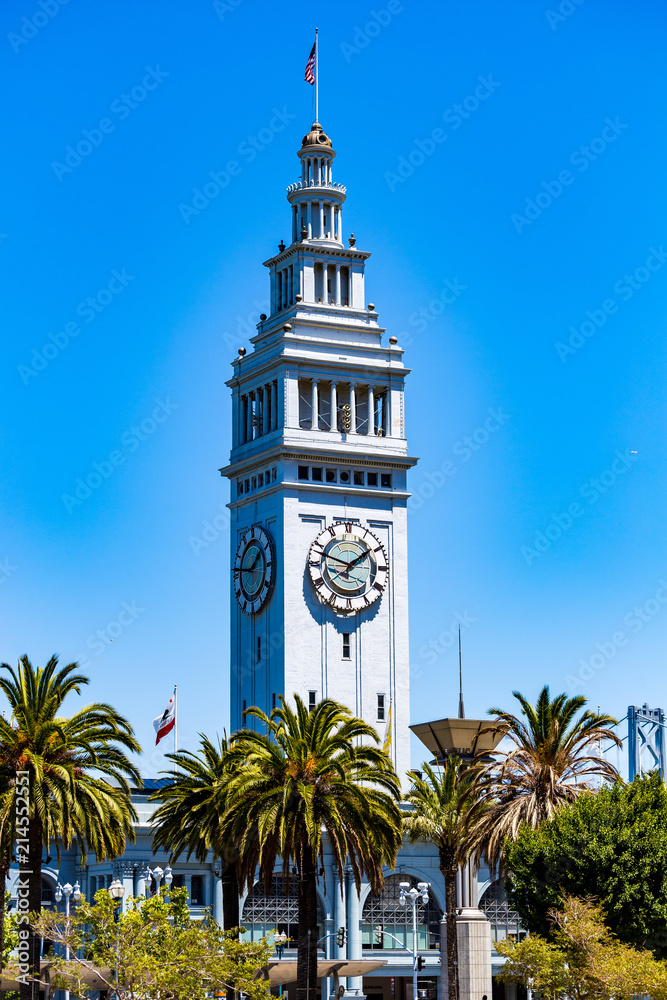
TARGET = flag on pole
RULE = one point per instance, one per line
(386, 746)
(310, 67)
(165, 722)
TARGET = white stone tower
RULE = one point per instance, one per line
(319, 602)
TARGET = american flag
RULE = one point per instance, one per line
(310, 66)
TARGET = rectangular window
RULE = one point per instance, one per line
(372, 478)
(239, 487)
(345, 476)
(316, 473)
(273, 700)
(312, 700)
(358, 479)
(385, 480)
(303, 472)
(260, 480)
(244, 704)
(274, 474)
(381, 708)
(179, 881)
(346, 645)
(247, 486)
(259, 649)
(254, 482)
(197, 891)
(331, 475)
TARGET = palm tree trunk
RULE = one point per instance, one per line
(31, 875)
(306, 958)
(448, 869)
(230, 896)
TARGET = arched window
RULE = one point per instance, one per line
(47, 891)
(276, 911)
(385, 914)
(505, 922)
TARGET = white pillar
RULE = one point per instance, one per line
(371, 410)
(217, 900)
(314, 420)
(265, 409)
(337, 285)
(274, 403)
(140, 890)
(321, 220)
(354, 950)
(309, 220)
(249, 418)
(340, 224)
(127, 876)
(334, 406)
(353, 408)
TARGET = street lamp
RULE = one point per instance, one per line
(117, 890)
(280, 940)
(67, 890)
(420, 892)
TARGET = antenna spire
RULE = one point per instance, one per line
(317, 76)
(462, 713)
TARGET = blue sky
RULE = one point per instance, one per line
(504, 165)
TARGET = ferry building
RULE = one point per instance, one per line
(319, 598)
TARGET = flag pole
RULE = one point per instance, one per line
(317, 78)
(175, 728)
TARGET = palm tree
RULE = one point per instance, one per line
(188, 820)
(309, 775)
(551, 761)
(71, 763)
(442, 806)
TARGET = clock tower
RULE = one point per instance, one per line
(319, 596)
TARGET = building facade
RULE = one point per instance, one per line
(319, 599)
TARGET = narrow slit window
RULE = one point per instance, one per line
(312, 700)
(259, 648)
(346, 645)
(381, 717)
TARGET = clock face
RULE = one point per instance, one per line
(254, 569)
(348, 567)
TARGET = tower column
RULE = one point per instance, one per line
(334, 406)
(315, 417)
(321, 220)
(309, 221)
(248, 436)
(371, 410)
(274, 403)
(265, 409)
(353, 408)
(340, 223)
(337, 285)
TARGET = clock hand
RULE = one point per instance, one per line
(358, 559)
(249, 569)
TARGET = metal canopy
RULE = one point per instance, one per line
(461, 737)
(282, 971)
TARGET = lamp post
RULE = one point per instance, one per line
(280, 940)
(420, 892)
(117, 890)
(158, 874)
(67, 890)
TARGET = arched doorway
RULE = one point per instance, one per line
(277, 910)
(385, 915)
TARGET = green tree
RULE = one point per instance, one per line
(582, 960)
(611, 846)
(68, 765)
(153, 949)
(188, 819)
(312, 774)
(443, 805)
(551, 760)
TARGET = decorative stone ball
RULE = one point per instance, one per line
(262, 316)
(393, 341)
(371, 307)
(242, 352)
(298, 298)
(287, 327)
